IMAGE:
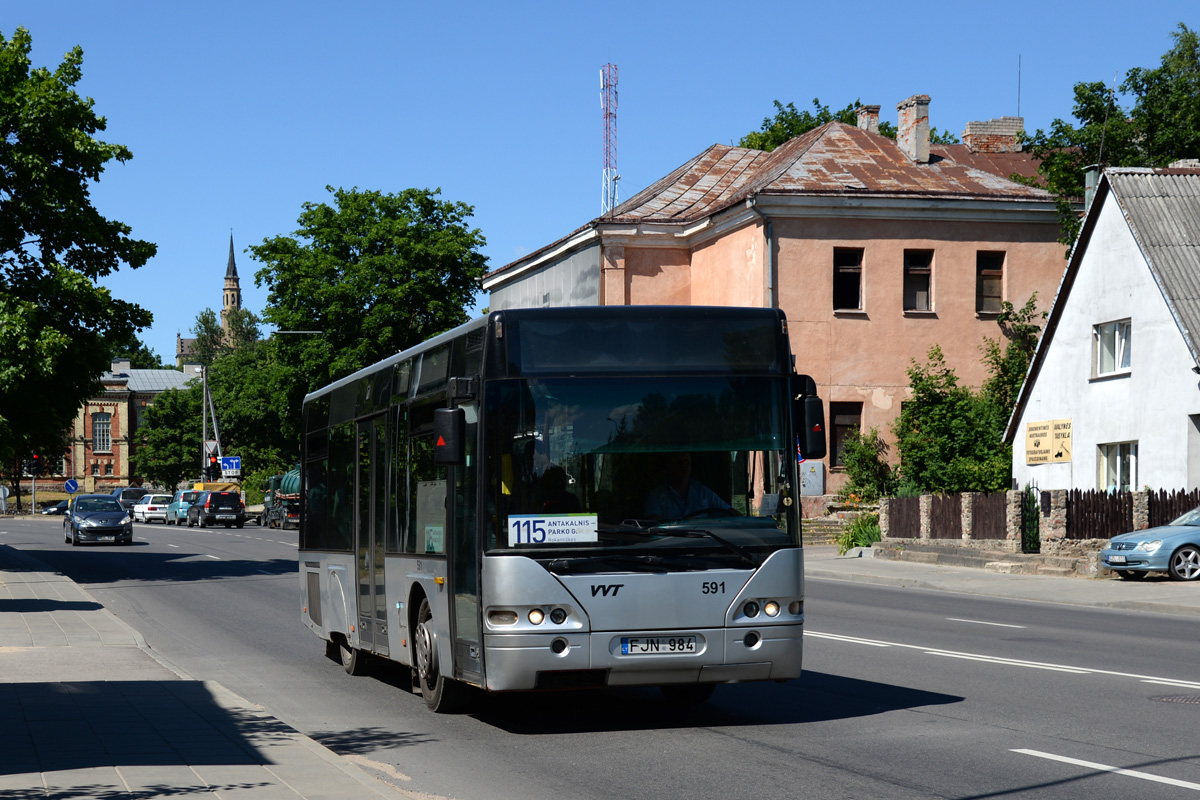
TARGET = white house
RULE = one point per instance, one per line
(1112, 399)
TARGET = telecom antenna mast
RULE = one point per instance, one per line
(608, 106)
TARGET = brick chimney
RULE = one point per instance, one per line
(994, 135)
(120, 366)
(913, 132)
(868, 118)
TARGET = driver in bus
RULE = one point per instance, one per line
(680, 496)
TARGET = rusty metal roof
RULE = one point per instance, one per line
(833, 160)
(830, 160)
(1002, 164)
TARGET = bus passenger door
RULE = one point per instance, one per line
(468, 665)
(371, 500)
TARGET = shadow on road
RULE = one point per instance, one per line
(815, 697)
(98, 566)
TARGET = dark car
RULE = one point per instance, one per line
(97, 518)
(217, 508)
(127, 496)
(58, 508)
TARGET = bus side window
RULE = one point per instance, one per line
(398, 484)
(427, 499)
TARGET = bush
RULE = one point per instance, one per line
(862, 532)
(865, 458)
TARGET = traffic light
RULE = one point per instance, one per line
(214, 469)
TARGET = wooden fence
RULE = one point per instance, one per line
(991, 517)
(904, 517)
(945, 517)
(1098, 515)
(1165, 506)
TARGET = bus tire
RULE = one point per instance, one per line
(443, 695)
(688, 693)
(353, 661)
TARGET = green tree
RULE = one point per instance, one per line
(56, 324)
(865, 459)
(373, 273)
(168, 440)
(949, 437)
(1009, 364)
(1162, 126)
(788, 123)
(213, 341)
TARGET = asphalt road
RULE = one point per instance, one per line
(906, 694)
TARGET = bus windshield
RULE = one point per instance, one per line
(652, 473)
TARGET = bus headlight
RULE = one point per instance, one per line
(750, 609)
(500, 616)
(771, 608)
(558, 616)
(537, 616)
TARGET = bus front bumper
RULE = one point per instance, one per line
(525, 662)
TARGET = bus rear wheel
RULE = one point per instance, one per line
(354, 661)
(441, 694)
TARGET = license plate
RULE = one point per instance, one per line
(226, 516)
(657, 645)
(1116, 559)
(106, 539)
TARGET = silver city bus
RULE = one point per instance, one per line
(564, 498)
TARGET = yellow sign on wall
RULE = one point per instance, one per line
(1048, 442)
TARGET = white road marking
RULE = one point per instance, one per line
(1146, 776)
(933, 651)
(1008, 661)
(981, 622)
(214, 558)
(172, 545)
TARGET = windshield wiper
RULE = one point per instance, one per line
(616, 561)
(700, 533)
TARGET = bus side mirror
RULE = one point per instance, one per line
(808, 413)
(449, 437)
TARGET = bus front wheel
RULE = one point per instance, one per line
(441, 694)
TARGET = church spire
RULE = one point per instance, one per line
(231, 269)
(233, 292)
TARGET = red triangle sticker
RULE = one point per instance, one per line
(441, 442)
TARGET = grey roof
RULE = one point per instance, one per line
(231, 268)
(1163, 210)
(148, 380)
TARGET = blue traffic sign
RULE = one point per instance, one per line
(72, 486)
(231, 463)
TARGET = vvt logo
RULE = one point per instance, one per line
(606, 588)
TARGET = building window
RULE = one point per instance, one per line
(989, 275)
(108, 468)
(95, 468)
(101, 432)
(1112, 344)
(843, 418)
(918, 270)
(1118, 467)
(847, 278)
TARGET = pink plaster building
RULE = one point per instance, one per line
(876, 249)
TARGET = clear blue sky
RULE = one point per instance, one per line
(239, 112)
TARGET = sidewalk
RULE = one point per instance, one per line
(87, 710)
(1154, 593)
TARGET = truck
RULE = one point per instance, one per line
(281, 500)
